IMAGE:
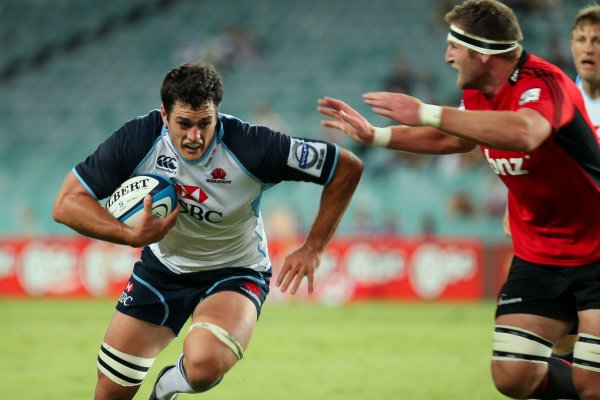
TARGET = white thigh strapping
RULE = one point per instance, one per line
(587, 352)
(223, 336)
(123, 368)
(515, 344)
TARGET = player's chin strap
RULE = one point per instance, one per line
(479, 44)
(223, 336)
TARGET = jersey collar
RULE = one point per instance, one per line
(514, 76)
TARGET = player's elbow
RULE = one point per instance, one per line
(59, 210)
(58, 213)
(352, 166)
(529, 131)
(455, 145)
(525, 140)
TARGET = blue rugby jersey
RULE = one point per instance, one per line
(220, 223)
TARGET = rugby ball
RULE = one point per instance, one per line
(127, 202)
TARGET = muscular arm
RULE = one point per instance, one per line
(521, 130)
(77, 209)
(334, 201)
(412, 139)
(426, 140)
(459, 130)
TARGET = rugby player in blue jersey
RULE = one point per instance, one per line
(208, 260)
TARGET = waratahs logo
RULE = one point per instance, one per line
(218, 176)
(166, 163)
(219, 173)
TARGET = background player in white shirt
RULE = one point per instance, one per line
(209, 260)
(585, 47)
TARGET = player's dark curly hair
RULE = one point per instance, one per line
(193, 84)
(488, 19)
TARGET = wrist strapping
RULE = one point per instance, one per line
(382, 136)
(430, 115)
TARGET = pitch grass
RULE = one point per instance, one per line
(417, 351)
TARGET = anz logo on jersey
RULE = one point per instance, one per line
(506, 166)
(196, 195)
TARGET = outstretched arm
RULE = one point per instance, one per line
(521, 130)
(334, 201)
(77, 209)
(414, 139)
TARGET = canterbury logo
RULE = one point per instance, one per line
(167, 162)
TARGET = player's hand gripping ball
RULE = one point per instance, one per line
(127, 202)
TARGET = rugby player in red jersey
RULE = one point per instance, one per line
(529, 120)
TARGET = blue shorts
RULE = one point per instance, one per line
(157, 295)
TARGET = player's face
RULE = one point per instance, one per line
(470, 68)
(191, 130)
(585, 47)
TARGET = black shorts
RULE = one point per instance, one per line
(550, 291)
(156, 294)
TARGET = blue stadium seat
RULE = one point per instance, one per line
(56, 114)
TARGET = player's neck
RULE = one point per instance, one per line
(498, 76)
(592, 89)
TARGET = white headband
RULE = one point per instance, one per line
(479, 44)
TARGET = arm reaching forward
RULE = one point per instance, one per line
(425, 140)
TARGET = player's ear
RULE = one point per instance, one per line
(484, 58)
(571, 47)
(163, 113)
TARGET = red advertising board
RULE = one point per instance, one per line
(64, 266)
(395, 268)
(353, 268)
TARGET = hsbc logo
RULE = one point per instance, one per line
(166, 163)
(190, 192)
(126, 297)
(218, 176)
(197, 195)
(199, 213)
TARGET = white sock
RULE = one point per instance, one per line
(173, 381)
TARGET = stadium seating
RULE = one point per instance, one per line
(56, 112)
